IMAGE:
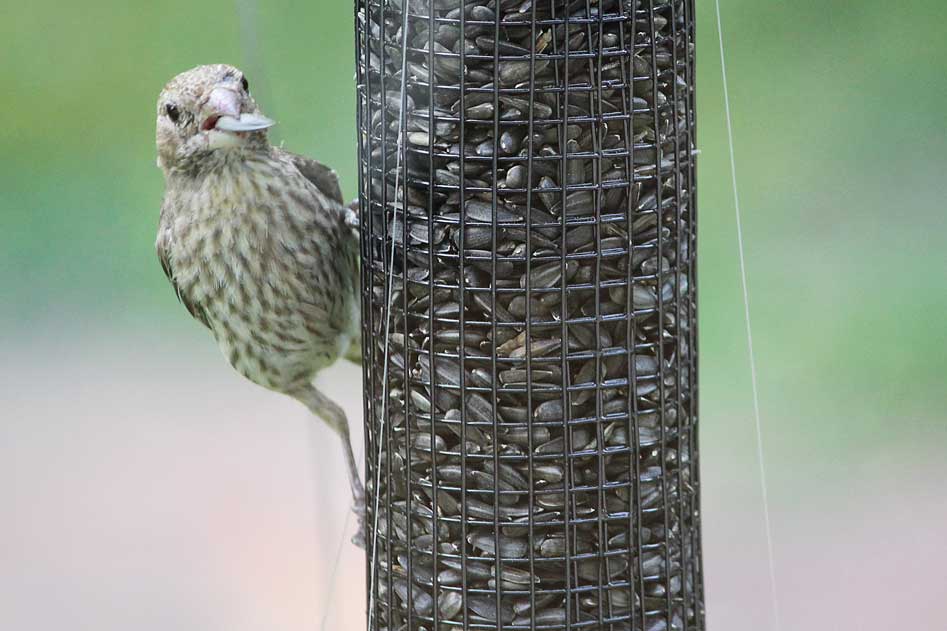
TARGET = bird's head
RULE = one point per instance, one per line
(207, 111)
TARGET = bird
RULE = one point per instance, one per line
(258, 244)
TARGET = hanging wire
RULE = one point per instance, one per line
(384, 402)
(749, 329)
(388, 300)
(248, 17)
(333, 573)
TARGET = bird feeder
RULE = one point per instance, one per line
(527, 198)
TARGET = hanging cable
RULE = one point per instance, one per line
(749, 331)
(388, 298)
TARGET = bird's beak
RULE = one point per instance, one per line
(223, 107)
(246, 122)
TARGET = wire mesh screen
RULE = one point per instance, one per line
(527, 193)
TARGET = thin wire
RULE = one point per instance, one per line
(384, 403)
(749, 329)
(248, 13)
(335, 569)
(389, 300)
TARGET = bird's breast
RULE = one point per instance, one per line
(252, 248)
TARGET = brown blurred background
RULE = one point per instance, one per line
(145, 486)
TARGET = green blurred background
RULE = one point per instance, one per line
(145, 486)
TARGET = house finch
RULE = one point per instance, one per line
(257, 243)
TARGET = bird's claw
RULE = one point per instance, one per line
(359, 509)
(351, 216)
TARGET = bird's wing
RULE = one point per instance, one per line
(164, 257)
(324, 178)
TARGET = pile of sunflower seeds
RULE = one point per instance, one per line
(529, 276)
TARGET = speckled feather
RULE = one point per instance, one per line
(266, 260)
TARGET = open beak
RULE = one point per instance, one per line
(224, 107)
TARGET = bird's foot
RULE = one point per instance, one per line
(360, 510)
(351, 216)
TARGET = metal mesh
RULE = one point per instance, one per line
(535, 445)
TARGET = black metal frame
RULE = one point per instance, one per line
(521, 484)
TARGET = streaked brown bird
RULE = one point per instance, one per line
(257, 243)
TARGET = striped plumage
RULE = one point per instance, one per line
(257, 243)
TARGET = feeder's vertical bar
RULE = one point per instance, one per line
(598, 122)
(564, 299)
(659, 290)
(365, 241)
(390, 314)
(678, 297)
(405, 246)
(405, 314)
(388, 236)
(462, 88)
(432, 331)
(690, 81)
(387, 208)
(627, 81)
(493, 309)
(530, 520)
(635, 514)
(368, 230)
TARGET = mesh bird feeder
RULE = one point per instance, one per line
(527, 194)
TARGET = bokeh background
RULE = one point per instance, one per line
(145, 486)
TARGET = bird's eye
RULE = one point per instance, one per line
(245, 84)
(173, 112)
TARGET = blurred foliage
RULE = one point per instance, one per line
(840, 138)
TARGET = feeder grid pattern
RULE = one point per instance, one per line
(534, 453)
